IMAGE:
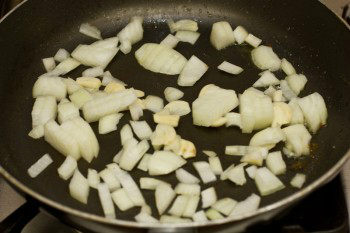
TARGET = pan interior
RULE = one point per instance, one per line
(306, 34)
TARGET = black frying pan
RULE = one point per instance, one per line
(305, 33)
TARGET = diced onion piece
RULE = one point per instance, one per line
(93, 178)
(109, 178)
(108, 43)
(215, 165)
(221, 35)
(126, 134)
(39, 166)
(204, 171)
(191, 206)
(154, 103)
(141, 129)
(236, 174)
(183, 24)
(199, 216)
(253, 40)
(52, 86)
(212, 214)
(106, 200)
(80, 97)
(298, 139)
(223, 175)
(187, 36)
(270, 91)
(164, 162)
(253, 157)
(296, 82)
(251, 171)
(145, 218)
(219, 122)
(265, 137)
(224, 205)
(208, 197)
(170, 41)
(93, 72)
(297, 114)
(61, 55)
(160, 59)
(288, 93)
(188, 189)
(162, 135)
(37, 132)
(187, 149)
(125, 46)
(108, 78)
(66, 66)
(256, 110)
(315, 111)
(212, 105)
(230, 68)
(136, 111)
(287, 67)
(171, 120)
(150, 183)
(143, 165)
(44, 110)
(66, 111)
(185, 177)
(233, 119)
(267, 182)
(133, 31)
(89, 82)
(49, 63)
(282, 114)
(90, 31)
(79, 187)
(132, 154)
(94, 109)
(61, 140)
(298, 180)
(265, 58)
(267, 78)
(109, 123)
(113, 87)
(164, 195)
(67, 168)
(174, 145)
(240, 34)
(92, 55)
(192, 72)
(173, 219)
(178, 107)
(275, 163)
(209, 153)
(122, 200)
(242, 150)
(249, 205)
(172, 94)
(179, 205)
(71, 85)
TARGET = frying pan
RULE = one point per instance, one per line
(307, 34)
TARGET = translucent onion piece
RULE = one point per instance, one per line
(288, 93)
(126, 134)
(267, 182)
(187, 36)
(298, 139)
(225, 205)
(253, 40)
(92, 55)
(199, 216)
(265, 58)
(107, 175)
(108, 78)
(141, 129)
(67, 168)
(145, 218)
(249, 205)
(179, 206)
(162, 135)
(136, 111)
(164, 162)
(121, 199)
(39, 166)
(172, 94)
(251, 171)
(178, 107)
(236, 174)
(143, 165)
(166, 119)
(193, 70)
(108, 43)
(80, 97)
(66, 111)
(44, 110)
(275, 163)
(154, 103)
(37, 132)
(132, 154)
(133, 31)
(93, 72)
(243, 150)
(267, 78)
(187, 189)
(296, 82)
(215, 165)
(287, 67)
(191, 206)
(233, 119)
(183, 24)
(150, 183)
(297, 114)
(71, 85)
(208, 197)
(204, 171)
(66, 66)
(90, 30)
(52, 86)
(212, 214)
(298, 180)
(185, 177)
(230, 68)
(109, 123)
(221, 35)
(209, 153)
(170, 41)
(49, 63)
(240, 34)
(93, 178)
(164, 195)
(79, 187)
(106, 200)
(267, 136)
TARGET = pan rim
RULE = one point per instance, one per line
(331, 173)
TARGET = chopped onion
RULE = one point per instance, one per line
(40, 165)
(208, 197)
(221, 35)
(126, 134)
(219, 122)
(49, 64)
(37, 132)
(275, 163)
(188, 189)
(92, 55)
(253, 40)
(162, 135)
(150, 183)
(256, 110)
(143, 165)
(268, 136)
(185, 177)
(67, 168)
(288, 93)
(240, 34)
(174, 145)
(141, 129)
(108, 43)
(93, 178)
(90, 31)
(164, 195)
(93, 72)
(298, 180)
(233, 119)
(191, 206)
(287, 67)
(243, 150)
(267, 182)
(315, 111)
(133, 31)
(170, 41)
(282, 114)
(270, 91)
(183, 24)
(298, 139)
(145, 218)
(109, 123)
(164, 162)
(249, 205)
(187, 36)
(89, 82)
(224, 205)
(132, 154)
(108, 78)
(209, 153)
(44, 110)
(79, 187)
(212, 105)
(71, 85)
(122, 200)
(230, 68)
(204, 171)
(66, 111)
(160, 59)
(178, 107)
(173, 219)
(94, 109)
(297, 114)
(215, 165)
(199, 216)
(154, 103)
(107, 175)
(253, 157)
(223, 175)
(166, 119)
(296, 82)
(251, 171)
(236, 174)
(52, 86)
(213, 214)
(277, 96)
(136, 111)
(125, 46)
(106, 200)
(117, 157)
(66, 66)
(186, 149)
(80, 97)
(193, 70)
(265, 58)
(267, 78)
(179, 206)
(61, 55)
(172, 94)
